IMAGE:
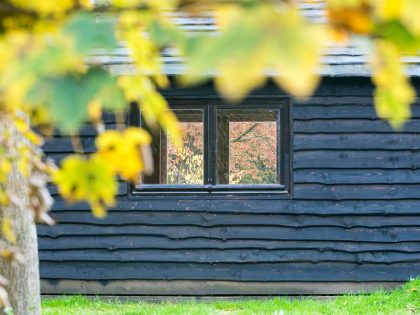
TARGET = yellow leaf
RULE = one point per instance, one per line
(5, 168)
(45, 7)
(87, 179)
(296, 52)
(257, 41)
(144, 51)
(394, 93)
(410, 15)
(95, 110)
(153, 105)
(390, 9)
(226, 14)
(344, 3)
(122, 150)
(7, 230)
(354, 17)
(23, 127)
(98, 209)
(4, 199)
(153, 4)
(23, 164)
(234, 80)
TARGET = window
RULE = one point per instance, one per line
(183, 166)
(226, 148)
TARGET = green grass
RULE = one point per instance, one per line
(405, 300)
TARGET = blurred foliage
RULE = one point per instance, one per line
(186, 165)
(253, 152)
(46, 83)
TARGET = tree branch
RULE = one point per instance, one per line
(240, 137)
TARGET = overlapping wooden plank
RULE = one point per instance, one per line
(237, 272)
(341, 111)
(385, 234)
(357, 142)
(258, 205)
(239, 256)
(112, 243)
(122, 189)
(352, 192)
(343, 126)
(363, 159)
(64, 145)
(356, 176)
(122, 218)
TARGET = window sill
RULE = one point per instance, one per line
(216, 191)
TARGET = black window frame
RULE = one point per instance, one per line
(209, 105)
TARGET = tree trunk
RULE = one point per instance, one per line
(24, 287)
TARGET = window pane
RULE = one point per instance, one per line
(247, 151)
(184, 165)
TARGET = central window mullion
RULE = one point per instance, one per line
(222, 149)
(210, 146)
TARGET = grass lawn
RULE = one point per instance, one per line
(405, 300)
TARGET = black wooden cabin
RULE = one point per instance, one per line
(341, 212)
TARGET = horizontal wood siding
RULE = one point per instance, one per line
(354, 215)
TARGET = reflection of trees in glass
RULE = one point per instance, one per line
(252, 153)
(186, 165)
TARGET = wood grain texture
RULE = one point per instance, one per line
(344, 126)
(237, 256)
(203, 219)
(362, 141)
(399, 160)
(262, 272)
(257, 206)
(116, 242)
(384, 234)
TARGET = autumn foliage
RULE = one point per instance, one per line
(47, 85)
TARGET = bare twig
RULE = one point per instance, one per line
(241, 136)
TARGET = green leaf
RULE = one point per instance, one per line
(166, 34)
(254, 42)
(67, 97)
(89, 32)
(396, 32)
(100, 84)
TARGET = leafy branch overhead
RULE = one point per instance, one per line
(48, 82)
(270, 38)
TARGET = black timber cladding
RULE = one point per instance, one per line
(354, 216)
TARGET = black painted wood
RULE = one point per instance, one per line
(384, 234)
(112, 243)
(358, 159)
(358, 191)
(344, 126)
(357, 142)
(151, 218)
(258, 205)
(340, 111)
(263, 272)
(237, 256)
(354, 214)
(357, 176)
